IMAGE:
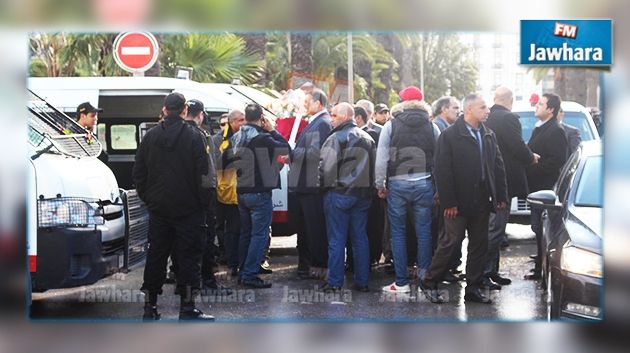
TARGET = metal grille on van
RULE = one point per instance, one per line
(523, 205)
(65, 134)
(137, 228)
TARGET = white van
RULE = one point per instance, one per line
(575, 115)
(131, 105)
(78, 220)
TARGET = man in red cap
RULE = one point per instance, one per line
(403, 172)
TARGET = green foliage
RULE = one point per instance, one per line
(213, 57)
(277, 60)
(449, 66)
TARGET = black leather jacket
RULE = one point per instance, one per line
(347, 160)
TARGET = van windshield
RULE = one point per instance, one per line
(575, 119)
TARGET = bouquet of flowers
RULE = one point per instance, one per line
(288, 109)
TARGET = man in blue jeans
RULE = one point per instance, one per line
(404, 163)
(346, 172)
(256, 148)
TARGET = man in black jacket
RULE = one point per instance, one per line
(549, 141)
(516, 156)
(256, 148)
(573, 134)
(346, 171)
(470, 180)
(304, 184)
(170, 164)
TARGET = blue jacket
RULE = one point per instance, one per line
(255, 152)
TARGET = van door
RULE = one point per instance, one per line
(125, 117)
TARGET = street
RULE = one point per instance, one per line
(290, 299)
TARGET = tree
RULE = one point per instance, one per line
(62, 54)
(277, 57)
(256, 44)
(301, 54)
(213, 57)
(449, 67)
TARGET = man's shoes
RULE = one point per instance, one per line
(327, 288)
(255, 283)
(476, 296)
(150, 313)
(265, 270)
(194, 315)
(533, 256)
(431, 292)
(488, 283)
(393, 288)
(504, 281)
(450, 277)
(360, 288)
(504, 244)
(533, 276)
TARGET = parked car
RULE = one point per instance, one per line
(572, 260)
(575, 115)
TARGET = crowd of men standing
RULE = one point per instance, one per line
(365, 182)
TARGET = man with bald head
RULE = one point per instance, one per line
(346, 175)
(516, 156)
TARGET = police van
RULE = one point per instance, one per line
(81, 226)
(132, 105)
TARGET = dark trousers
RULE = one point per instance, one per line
(295, 215)
(537, 227)
(228, 224)
(477, 227)
(312, 226)
(375, 228)
(187, 237)
(496, 230)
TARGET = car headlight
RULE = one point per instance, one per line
(580, 261)
(67, 212)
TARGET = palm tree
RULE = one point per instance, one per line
(213, 57)
(255, 43)
(301, 58)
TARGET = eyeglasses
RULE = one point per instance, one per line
(222, 124)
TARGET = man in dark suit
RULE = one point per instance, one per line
(573, 134)
(470, 179)
(516, 156)
(550, 142)
(304, 183)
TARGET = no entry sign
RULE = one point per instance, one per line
(135, 51)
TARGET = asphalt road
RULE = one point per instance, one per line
(290, 299)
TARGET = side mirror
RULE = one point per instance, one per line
(544, 198)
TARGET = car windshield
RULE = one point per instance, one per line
(590, 186)
(575, 119)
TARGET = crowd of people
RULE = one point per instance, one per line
(367, 185)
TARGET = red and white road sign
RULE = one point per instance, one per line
(135, 51)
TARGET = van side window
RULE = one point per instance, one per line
(123, 137)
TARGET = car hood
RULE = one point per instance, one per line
(585, 227)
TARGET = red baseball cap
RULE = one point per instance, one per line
(411, 93)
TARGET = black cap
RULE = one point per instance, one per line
(85, 108)
(379, 108)
(174, 101)
(195, 106)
